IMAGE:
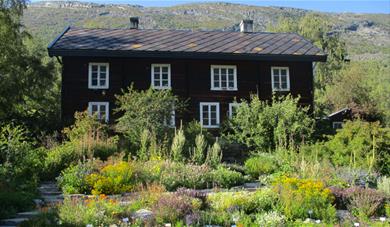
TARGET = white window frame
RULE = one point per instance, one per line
(287, 75)
(98, 64)
(336, 123)
(106, 104)
(152, 76)
(234, 67)
(231, 106)
(208, 125)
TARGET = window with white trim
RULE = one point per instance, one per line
(280, 78)
(161, 76)
(209, 114)
(233, 108)
(224, 77)
(100, 109)
(337, 124)
(98, 75)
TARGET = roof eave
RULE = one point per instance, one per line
(183, 55)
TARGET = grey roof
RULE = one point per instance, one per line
(183, 43)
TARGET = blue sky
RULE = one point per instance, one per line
(356, 6)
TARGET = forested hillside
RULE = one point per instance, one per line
(366, 35)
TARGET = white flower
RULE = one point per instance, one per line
(125, 220)
(89, 225)
(382, 219)
(356, 224)
(318, 221)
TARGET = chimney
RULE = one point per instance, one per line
(134, 22)
(246, 26)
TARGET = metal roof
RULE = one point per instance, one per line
(184, 44)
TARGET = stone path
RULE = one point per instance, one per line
(50, 195)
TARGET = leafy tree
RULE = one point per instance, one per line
(264, 126)
(29, 90)
(149, 109)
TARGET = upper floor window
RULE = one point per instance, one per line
(209, 114)
(233, 108)
(100, 109)
(98, 75)
(223, 77)
(280, 79)
(161, 76)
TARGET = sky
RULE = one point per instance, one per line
(355, 6)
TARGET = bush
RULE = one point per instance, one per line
(384, 185)
(72, 180)
(148, 110)
(364, 202)
(299, 197)
(264, 126)
(172, 208)
(259, 165)
(260, 201)
(13, 202)
(271, 219)
(113, 179)
(226, 178)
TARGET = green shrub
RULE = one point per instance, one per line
(259, 165)
(384, 185)
(260, 201)
(226, 178)
(72, 179)
(214, 155)
(177, 148)
(300, 197)
(271, 219)
(13, 202)
(265, 126)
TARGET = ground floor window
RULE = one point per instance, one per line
(209, 114)
(100, 109)
(337, 124)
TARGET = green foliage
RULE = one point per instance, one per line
(272, 219)
(384, 185)
(88, 137)
(260, 164)
(225, 178)
(178, 145)
(264, 126)
(145, 110)
(259, 201)
(214, 155)
(12, 202)
(198, 153)
(171, 208)
(72, 180)
(304, 198)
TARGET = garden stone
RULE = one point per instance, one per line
(13, 221)
(143, 214)
(343, 215)
(28, 214)
(251, 185)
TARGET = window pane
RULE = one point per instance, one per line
(230, 71)
(165, 76)
(103, 68)
(213, 121)
(276, 72)
(216, 72)
(94, 81)
(213, 108)
(231, 77)
(283, 72)
(156, 83)
(164, 83)
(205, 108)
(231, 84)
(94, 109)
(94, 68)
(223, 81)
(223, 71)
(156, 69)
(164, 69)
(102, 82)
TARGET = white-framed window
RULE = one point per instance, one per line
(280, 78)
(98, 75)
(101, 109)
(233, 108)
(161, 76)
(337, 124)
(209, 114)
(224, 77)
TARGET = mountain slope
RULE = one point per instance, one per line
(366, 35)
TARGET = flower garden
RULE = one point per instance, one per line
(148, 175)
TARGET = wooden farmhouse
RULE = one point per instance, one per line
(209, 68)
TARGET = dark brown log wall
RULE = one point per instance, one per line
(189, 79)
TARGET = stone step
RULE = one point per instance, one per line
(51, 193)
(28, 214)
(13, 221)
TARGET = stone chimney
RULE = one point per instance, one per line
(246, 26)
(134, 21)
